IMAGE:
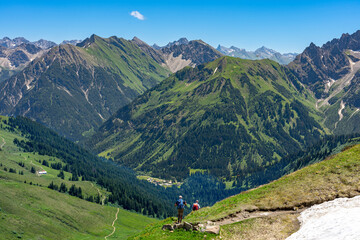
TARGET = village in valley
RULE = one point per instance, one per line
(160, 182)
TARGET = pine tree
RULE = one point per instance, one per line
(63, 188)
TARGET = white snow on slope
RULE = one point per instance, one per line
(334, 220)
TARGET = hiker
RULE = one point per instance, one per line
(196, 206)
(180, 204)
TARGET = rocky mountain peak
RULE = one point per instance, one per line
(12, 43)
(72, 42)
(138, 41)
(88, 41)
(44, 44)
(181, 41)
(316, 66)
(260, 53)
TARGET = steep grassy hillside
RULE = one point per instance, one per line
(123, 187)
(231, 117)
(34, 212)
(73, 89)
(337, 176)
(31, 210)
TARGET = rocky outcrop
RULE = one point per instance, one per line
(13, 59)
(197, 51)
(179, 54)
(317, 66)
(209, 227)
(44, 44)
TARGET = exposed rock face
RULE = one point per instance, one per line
(72, 42)
(12, 43)
(179, 54)
(317, 66)
(17, 53)
(209, 227)
(181, 41)
(167, 227)
(197, 51)
(213, 229)
(14, 59)
(331, 72)
(44, 44)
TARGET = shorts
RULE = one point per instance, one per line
(180, 212)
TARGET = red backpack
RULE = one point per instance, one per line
(195, 207)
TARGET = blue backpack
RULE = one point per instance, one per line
(180, 204)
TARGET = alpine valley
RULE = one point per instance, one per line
(228, 117)
(98, 137)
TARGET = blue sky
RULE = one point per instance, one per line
(286, 26)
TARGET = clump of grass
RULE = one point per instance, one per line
(334, 177)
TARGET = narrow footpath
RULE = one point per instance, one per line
(3, 144)
(97, 189)
(239, 217)
(116, 216)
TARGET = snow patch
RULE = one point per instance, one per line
(342, 106)
(101, 117)
(333, 220)
(64, 89)
(215, 70)
(354, 113)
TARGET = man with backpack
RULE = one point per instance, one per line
(196, 206)
(180, 204)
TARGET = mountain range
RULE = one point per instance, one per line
(184, 112)
(215, 117)
(260, 53)
(331, 72)
(181, 53)
(111, 73)
(73, 89)
(13, 43)
(227, 116)
(16, 53)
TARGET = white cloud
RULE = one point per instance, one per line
(137, 15)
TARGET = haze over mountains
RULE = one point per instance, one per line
(260, 53)
(16, 53)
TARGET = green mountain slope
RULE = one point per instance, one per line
(230, 117)
(75, 88)
(335, 177)
(74, 163)
(31, 210)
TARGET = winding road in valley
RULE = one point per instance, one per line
(116, 216)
